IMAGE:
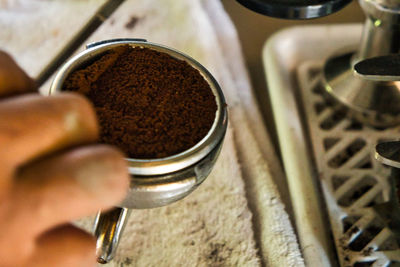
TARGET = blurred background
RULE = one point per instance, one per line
(254, 29)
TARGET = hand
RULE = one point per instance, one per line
(49, 175)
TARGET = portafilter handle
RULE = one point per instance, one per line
(295, 9)
(108, 228)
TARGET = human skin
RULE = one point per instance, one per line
(51, 172)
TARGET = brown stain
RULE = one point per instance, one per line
(128, 261)
(55, 32)
(218, 254)
(131, 23)
(368, 252)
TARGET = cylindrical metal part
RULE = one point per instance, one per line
(381, 34)
(108, 228)
(375, 103)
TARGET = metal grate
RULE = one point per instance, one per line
(352, 181)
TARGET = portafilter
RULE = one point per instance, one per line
(154, 182)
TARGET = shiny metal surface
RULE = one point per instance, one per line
(388, 153)
(156, 191)
(295, 9)
(372, 102)
(167, 164)
(381, 32)
(376, 103)
(154, 182)
(107, 226)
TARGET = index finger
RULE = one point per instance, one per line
(32, 126)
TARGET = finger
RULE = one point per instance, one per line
(65, 246)
(13, 80)
(66, 187)
(33, 125)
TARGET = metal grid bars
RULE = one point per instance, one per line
(352, 181)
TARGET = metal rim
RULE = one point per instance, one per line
(146, 167)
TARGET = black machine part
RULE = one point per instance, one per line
(295, 9)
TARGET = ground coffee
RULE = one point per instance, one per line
(149, 104)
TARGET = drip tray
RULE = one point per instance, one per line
(334, 180)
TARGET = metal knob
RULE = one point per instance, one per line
(295, 9)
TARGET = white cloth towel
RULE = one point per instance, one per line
(236, 217)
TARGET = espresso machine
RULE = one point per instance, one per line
(371, 100)
(335, 97)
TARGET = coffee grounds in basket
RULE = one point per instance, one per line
(149, 104)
